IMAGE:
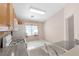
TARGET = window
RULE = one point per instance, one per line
(31, 30)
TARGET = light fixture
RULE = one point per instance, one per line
(37, 11)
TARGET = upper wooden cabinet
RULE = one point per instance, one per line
(11, 16)
(3, 14)
(6, 14)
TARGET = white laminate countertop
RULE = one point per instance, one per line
(3, 28)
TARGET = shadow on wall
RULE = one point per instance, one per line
(63, 44)
(77, 41)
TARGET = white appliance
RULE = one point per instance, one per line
(7, 40)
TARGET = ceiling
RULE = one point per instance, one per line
(22, 10)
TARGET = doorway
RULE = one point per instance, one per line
(70, 32)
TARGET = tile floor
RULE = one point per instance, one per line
(34, 48)
(18, 50)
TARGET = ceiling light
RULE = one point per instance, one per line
(37, 11)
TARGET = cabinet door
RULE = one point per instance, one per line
(6, 14)
(10, 16)
(3, 14)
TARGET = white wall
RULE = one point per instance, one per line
(54, 27)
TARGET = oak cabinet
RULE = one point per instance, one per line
(6, 15)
